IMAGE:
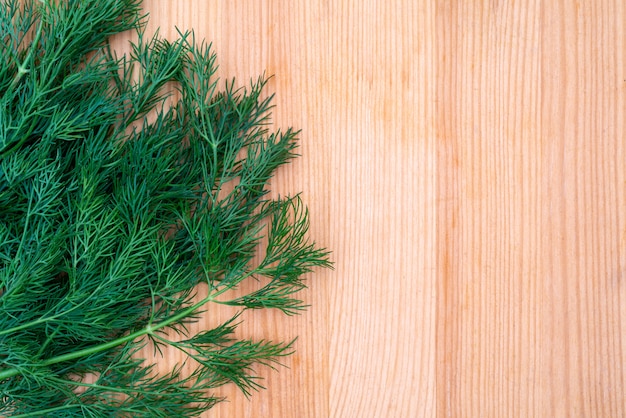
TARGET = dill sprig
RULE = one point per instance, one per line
(115, 203)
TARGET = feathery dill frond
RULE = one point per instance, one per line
(110, 218)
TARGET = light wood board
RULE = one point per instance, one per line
(464, 161)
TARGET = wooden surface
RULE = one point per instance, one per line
(464, 160)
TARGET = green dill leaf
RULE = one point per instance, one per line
(117, 199)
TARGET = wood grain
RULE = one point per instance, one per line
(531, 169)
(464, 160)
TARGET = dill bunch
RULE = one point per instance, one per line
(116, 202)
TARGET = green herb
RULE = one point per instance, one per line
(116, 200)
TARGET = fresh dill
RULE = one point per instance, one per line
(116, 201)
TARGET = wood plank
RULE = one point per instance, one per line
(488, 168)
(530, 172)
(372, 320)
(582, 110)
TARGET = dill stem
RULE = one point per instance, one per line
(22, 69)
(149, 329)
(45, 411)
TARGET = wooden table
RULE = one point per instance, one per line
(464, 160)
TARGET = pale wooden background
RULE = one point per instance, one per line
(464, 160)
